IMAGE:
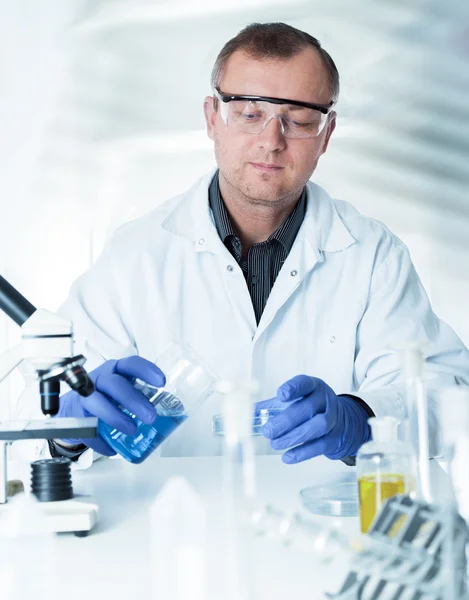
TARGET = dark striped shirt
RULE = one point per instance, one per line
(264, 260)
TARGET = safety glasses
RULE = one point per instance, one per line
(252, 114)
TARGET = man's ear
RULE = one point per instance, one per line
(330, 128)
(210, 115)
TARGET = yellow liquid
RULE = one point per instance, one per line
(373, 490)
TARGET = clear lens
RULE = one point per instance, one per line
(252, 117)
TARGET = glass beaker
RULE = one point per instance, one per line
(189, 382)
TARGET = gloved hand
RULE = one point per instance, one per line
(314, 421)
(112, 387)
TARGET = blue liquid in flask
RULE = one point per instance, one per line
(136, 448)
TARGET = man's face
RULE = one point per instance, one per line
(269, 168)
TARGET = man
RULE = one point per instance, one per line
(261, 272)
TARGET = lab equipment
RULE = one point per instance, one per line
(79, 514)
(178, 543)
(416, 428)
(314, 421)
(51, 479)
(47, 344)
(294, 531)
(403, 555)
(27, 541)
(259, 419)
(454, 419)
(113, 380)
(384, 468)
(337, 498)
(239, 489)
(189, 382)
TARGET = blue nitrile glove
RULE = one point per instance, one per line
(112, 386)
(314, 421)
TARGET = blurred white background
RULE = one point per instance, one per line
(101, 119)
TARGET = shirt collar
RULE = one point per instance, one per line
(285, 234)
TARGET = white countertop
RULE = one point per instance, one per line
(113, 561)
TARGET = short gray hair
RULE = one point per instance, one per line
(274, 40)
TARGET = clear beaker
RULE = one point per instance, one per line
(189, 382)
(259, 419)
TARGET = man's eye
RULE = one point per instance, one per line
(251, 116)
(300, 124)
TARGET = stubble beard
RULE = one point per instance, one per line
(250, 194)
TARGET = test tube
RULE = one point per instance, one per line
(416, 423)
(454, 420)
(238, 490)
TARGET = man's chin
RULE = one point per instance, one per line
(266, 193)
(261, 197)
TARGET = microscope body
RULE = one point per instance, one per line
(46, 345)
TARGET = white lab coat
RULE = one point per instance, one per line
(345, 297)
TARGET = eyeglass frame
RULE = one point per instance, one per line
(226, 98)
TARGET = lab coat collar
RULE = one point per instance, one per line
(323, 224)
(192, 219)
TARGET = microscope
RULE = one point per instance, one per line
(47, 345)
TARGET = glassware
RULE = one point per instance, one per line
(325, 541)
(384, 469)
(259, 419)
(239, 490)
(454, 421)
(416, 432)
(189, 382)
(334, 499)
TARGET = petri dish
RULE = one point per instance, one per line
(259, 419)
(332, 499)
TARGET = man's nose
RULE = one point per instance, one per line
(272, 136)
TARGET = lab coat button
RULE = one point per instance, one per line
(201, 241)
(293, 273)
(229, 268)
(332, 340)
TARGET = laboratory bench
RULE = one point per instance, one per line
(114, 561)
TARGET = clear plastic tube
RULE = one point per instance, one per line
(416, 425)
(238, 490)
(454, 419)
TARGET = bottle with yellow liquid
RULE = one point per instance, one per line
(384, 469)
